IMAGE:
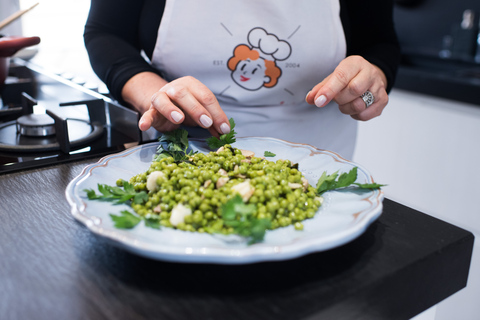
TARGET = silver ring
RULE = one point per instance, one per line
(368, 98)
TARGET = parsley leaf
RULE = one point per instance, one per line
(334, 181)
(227, 138)
(369, 185)
(239, 216)
(126, 220)
(176, 146)
(152, 223)
(326, 182)
(269, 154)
(117, 194)
(140, 197)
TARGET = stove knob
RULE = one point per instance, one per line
(102, 88)
(79, 80)
(90, 85)
(67, 75)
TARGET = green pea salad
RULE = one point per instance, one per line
(226, 191)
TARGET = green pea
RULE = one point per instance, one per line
(197, 217)
(208, 215)
(164, 215)
(298, 226)
(310, 213)
(188, 219)
(215, 202)
(165, 223)
(208, 193)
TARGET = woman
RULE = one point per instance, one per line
(328, 54)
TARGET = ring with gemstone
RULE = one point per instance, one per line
(368, 98)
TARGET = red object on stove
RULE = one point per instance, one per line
(8, 47)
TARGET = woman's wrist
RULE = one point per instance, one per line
(139, 89)
(382, 75)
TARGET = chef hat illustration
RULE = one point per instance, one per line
(270, 47)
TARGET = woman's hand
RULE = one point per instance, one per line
(352, 77)
(184, 101)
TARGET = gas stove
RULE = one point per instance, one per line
(47, 119)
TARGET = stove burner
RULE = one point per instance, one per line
(79, 123)
(36, 125)
(80, 133)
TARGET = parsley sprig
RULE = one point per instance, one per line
(335, 181)
(127, 220)
(117, 195)
(239, 216)
(227, 138)
(176, 146)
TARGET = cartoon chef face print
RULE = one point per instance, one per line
(254, 66)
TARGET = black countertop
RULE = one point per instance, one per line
(51, 267)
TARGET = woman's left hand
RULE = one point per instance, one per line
(352, 77)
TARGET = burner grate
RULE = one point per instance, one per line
(47, 119)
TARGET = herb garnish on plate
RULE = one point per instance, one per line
(235, 212)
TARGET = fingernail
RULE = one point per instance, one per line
(225, 128)
(206, 121)
(176, 116)
(306, 97)
(320, 101)
(140, 123)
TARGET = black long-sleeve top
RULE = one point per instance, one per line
(117, 31)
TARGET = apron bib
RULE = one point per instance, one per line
(260, 58)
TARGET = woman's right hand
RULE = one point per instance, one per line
(184, 101)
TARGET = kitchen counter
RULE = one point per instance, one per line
(52, 267)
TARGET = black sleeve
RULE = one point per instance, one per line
(370, 33)
(115, 36)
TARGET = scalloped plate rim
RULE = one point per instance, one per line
(256, 253)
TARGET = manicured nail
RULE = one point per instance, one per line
(140, 123)
(206, 121)
(306, 97)
(320, 101)
(176, 116)
(225, 128)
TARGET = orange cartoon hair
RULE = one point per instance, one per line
(243, 52)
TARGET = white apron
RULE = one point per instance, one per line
(260, 58)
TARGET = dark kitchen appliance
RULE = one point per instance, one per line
(47, 119)
(440, 42)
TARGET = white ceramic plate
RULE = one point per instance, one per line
(344, 215)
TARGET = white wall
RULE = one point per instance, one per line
(60, 25)
(427, 150)
(7, 8)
